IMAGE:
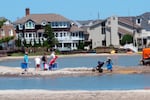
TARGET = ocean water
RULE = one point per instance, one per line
(82, 61)
(103, 82)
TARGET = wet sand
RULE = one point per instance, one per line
(83, 71)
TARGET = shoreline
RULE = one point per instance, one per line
(73, 55)
(73, 72)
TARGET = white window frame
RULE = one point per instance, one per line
(29, 25)
(20, 26)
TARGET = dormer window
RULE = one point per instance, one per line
(43, 23)
(20, 26)
(138, 21)
(29, 25)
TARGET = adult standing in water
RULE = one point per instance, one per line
(53, 57)
(44, 61)
(109, 64)
(26, 61)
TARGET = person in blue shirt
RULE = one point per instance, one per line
(26, 60)
(109, 64)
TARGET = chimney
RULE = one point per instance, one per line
(27, 11)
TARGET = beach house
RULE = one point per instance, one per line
(31, 28)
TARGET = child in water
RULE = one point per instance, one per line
(109, 64)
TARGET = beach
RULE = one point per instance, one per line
(78, 71)
(74, 95)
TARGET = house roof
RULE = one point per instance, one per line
(145, 20)
(39, 18)
(123, 31)
(75, 28)
(129, 21)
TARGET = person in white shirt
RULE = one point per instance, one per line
(52, 55)
(37, 63)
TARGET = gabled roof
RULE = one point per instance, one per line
(39, 18)
(129, 21)
(75, 28)
(84, 22)
(123, 31)
(145, 18)
(146, 15)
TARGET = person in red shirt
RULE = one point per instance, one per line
(52, 63)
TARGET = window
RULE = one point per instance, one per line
(43, 23)
(56, 24)
(76, 34)
(64, 34)
(3, 33)
(29, 25)
(53, 24)
(40, 34)
(60, 34)
(30, 35)
(138, 21)
(11, 32)
(56, 34)
(67, 45)
(103, 42)
(73, 34)
(59, 45)
(20, 26)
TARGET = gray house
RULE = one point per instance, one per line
(111, 30)
(143, 38)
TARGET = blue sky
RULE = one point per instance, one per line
(74, 9)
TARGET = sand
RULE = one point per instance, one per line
(74, 95)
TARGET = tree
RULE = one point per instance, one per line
(2, 22)
(18, 42)
(127, 39)
(51, 40)
(81, 45)
(6, 40)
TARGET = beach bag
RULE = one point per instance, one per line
(53, 66)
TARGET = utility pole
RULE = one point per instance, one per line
(133, 31)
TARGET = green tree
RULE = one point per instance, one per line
(127, 39)
(6, 39)
(18, 42)
(2, 22)
(51, 40)
(81, 45)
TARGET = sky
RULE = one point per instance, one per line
(74, 9)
